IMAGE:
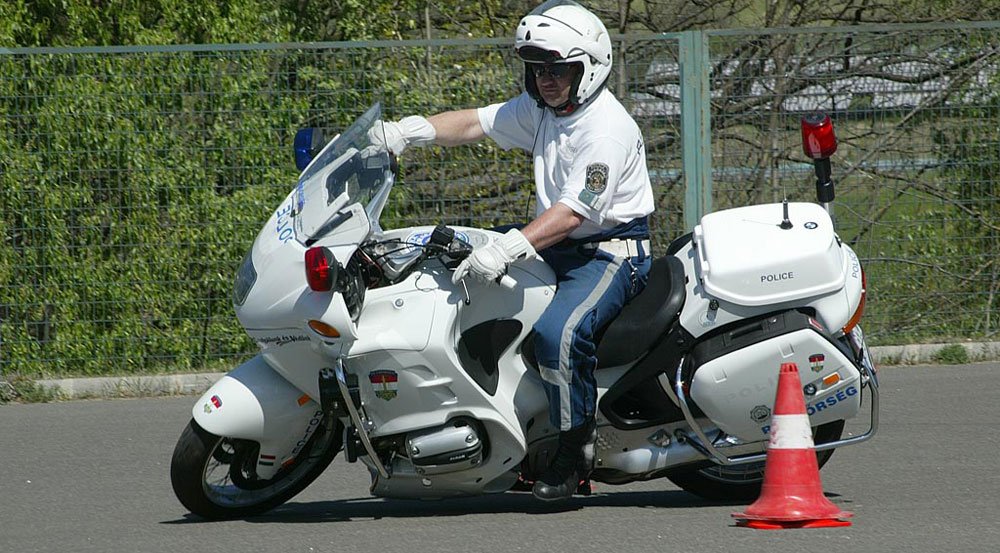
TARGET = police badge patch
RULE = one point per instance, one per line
(597, 177)
(597, 182)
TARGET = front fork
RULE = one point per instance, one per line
(360, 426)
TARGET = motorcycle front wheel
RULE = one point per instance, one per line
(742, 482)
(215, 477)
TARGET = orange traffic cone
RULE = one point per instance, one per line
(792, 494)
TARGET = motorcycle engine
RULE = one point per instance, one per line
(449, 448)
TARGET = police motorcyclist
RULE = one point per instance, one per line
(593, 197)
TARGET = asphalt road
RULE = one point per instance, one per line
(93, 476)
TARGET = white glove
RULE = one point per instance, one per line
(413, 130)
(489, 262)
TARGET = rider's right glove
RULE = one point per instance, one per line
(413, 130)
(489, 262)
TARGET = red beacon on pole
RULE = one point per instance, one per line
(819, 143)
(818, 140)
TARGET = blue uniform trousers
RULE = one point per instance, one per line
(593, 286)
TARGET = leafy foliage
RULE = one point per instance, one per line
(172, 186)
(116, 22)
(132, 183)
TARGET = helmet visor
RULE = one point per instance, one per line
(534, 54)
(552, 70)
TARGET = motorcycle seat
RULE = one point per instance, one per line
(647, 317)
(642, 322)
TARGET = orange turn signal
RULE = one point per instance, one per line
(856, 318)
(324, 329)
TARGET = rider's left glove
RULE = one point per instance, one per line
(408, 131)
(489, 262)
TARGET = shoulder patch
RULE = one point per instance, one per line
(597, 177)
(595, 183)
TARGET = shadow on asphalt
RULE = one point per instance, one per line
(373, 508)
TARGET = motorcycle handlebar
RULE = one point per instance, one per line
(457, 249)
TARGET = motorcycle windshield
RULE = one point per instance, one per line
(353, 168)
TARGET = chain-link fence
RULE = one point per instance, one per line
(132, 180)
(918, 119)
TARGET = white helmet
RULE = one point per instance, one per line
(562, 31)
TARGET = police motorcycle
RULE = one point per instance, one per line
(366, 346)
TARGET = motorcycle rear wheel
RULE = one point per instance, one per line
(742, 482)
(212, 477)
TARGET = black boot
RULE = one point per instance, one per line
(572, 463)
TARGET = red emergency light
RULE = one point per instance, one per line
(818, 140)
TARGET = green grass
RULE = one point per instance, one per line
(20, 389)
(954, 354)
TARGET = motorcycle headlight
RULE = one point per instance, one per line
(246, 276)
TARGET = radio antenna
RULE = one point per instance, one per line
(786, 223)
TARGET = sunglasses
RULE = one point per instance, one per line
(554, 71)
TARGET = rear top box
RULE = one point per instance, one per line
(744, 256)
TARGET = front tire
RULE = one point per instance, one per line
(742, 482)
(214, 477)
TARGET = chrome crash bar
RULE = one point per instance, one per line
(356, 419)
(706, 447)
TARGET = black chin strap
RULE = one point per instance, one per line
(565, 109)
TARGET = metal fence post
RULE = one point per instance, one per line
(696, 140)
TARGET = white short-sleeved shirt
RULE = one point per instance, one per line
(593, 161)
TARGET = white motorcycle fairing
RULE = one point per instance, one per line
(253, 402)
(411, 375)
